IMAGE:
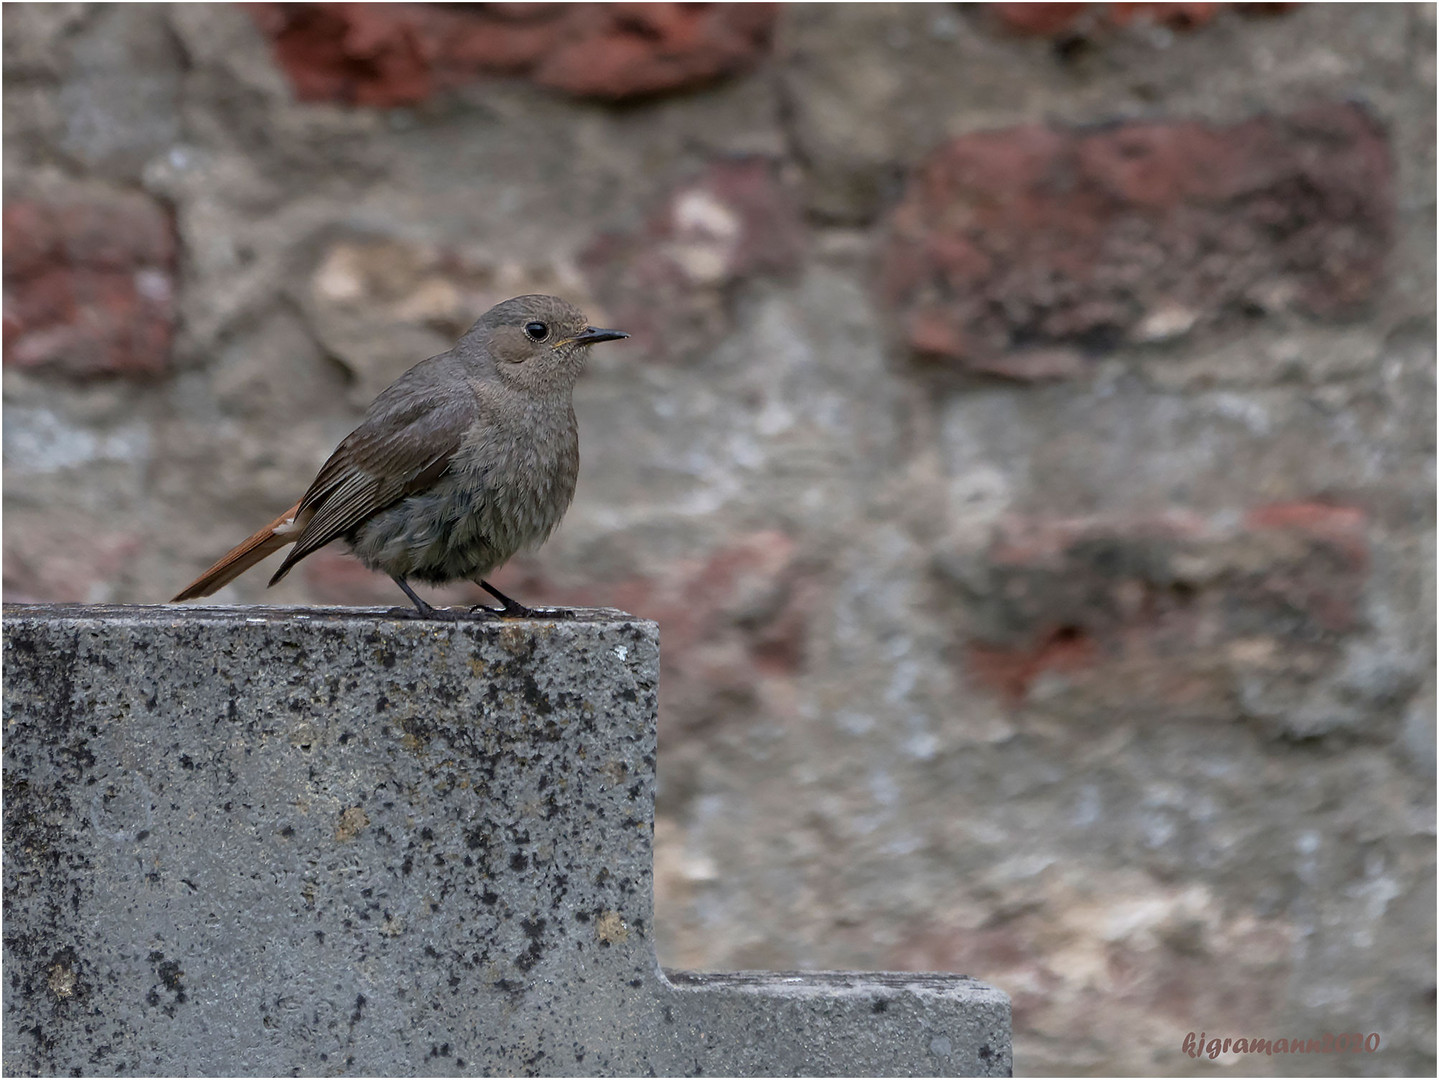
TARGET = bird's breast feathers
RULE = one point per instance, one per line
(521, 482)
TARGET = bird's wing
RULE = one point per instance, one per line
(403, 446)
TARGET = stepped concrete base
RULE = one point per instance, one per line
(257, 841)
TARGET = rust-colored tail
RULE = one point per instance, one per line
(283, 530)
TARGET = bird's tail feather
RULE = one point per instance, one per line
(284, 530)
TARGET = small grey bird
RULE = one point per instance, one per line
(465, 459)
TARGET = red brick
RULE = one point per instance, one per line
(1010, 671)
(1326, 585)
(665, 283)
(1321, 518)
(732, 621)
(1174, 16)
(89, 285)
(66, 559)
(752, 582)
(1014, 251)
(1060, 20)
(1171, 591)
(641, 49)
(363, 54)
(399, 54)
(1040, 20)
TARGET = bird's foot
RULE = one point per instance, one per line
(513, 610)
(559, 613)
(436, 614)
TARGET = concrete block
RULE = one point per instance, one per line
(259, 841)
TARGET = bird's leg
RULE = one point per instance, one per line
(513, 609)
(422, 609)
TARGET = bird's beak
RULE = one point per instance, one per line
(593, 334)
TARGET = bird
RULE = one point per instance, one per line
(465, 459)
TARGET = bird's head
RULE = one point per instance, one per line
(538, 343)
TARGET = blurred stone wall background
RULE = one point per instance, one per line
(1026, 442)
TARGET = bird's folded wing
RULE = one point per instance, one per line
(403, 446)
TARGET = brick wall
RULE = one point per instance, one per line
(1026, 441)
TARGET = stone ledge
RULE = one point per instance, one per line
(256, 841)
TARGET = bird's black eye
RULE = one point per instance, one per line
(537, 331)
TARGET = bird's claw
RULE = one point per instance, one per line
(430, 613)
(519, 611)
